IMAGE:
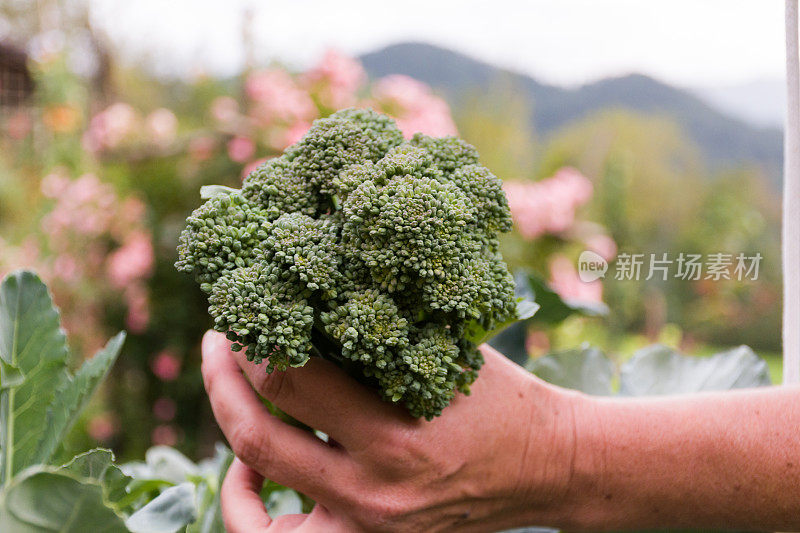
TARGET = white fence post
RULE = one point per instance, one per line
(791, 204)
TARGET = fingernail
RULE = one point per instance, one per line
(212, 340)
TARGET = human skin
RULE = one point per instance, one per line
(515, 452)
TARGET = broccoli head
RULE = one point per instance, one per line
(356, 245)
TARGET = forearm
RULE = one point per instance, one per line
(717, 460)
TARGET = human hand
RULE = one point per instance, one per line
(498, 458)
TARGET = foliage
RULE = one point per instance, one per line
(355, 245)
(655, 194)
(173, 492)
(39, 401)
(40, 397)
(651, 371)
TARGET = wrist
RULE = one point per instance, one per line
(561, 462)
(564, 466)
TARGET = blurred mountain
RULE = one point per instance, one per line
(725, 140)
(761, 102)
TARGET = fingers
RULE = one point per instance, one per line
(285, 454)
(242, 508)
(321, 395)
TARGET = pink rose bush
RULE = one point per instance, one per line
(95, 249)
(547, 206)
(550, 207)
(110, 127)
(279, 107)
(336, 80)
(414, 106)
(275, 110)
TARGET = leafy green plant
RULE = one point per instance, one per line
(653, 370)
(174, 493)
(40, 400)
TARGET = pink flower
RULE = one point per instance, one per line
(565, 281)
(603, 245)
(109, 127)
(537, 343)
(19, 125)
(54, 184)
(132, 261)
(549, 205)
(277, 97)
(162, 126)
(164, 435)
(138, 308)
(84, 207)
(165, 409)
(166, 365)
(202, 148)
(224, 109)
(414, 106)
(336, 79)
(102, 427)
(65, 267)
(132, 211)
(240, 149)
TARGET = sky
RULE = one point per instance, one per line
(693, 43)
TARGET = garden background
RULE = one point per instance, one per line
(102, 157)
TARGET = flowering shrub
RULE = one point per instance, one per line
(414, 105)
(95, 249)
(549, 207)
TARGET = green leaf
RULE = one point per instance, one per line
(511, 342)
(10, 376)
(554, 308)
(72, 395)
(585, 369)
(44, 499)
(169, 464)
(210, 191)
(658, 370)
(283, 502)
(98, 465)
(169, 511)
(210, 520)
(31, 341)
(92, 464)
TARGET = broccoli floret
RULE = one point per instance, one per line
(348, 137)
(277, 190)
(378, 253)
(221, 236)
(264, 309)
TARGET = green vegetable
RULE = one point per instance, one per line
(356, 245)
